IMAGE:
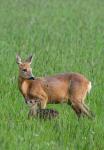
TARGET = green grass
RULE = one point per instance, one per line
(64, 36)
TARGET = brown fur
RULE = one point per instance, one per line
(71, 88)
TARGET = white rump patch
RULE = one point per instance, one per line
(89, 87)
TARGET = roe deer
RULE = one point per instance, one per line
(71, 88)
(36, 111)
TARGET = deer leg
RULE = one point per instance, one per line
(76, 109)
(34, 107)
(86, 107)
(43, 104)
(80, 109)
(91, 113)
(84, 110)
(37, 104)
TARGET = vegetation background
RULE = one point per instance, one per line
(64, 36)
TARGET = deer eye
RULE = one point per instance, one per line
(24, 70)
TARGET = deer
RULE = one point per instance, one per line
(45, 114)
(71, 88)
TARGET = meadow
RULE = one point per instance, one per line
(63, 36)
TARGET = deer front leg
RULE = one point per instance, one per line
(43, 103)
(35, 105)
(38, 104)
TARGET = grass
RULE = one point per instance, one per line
(64, 36)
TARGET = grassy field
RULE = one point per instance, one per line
(64, 36)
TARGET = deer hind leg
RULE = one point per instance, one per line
(77, 95)
(77, 104)
(91, 113)
(85, 107)
(76, 109)
(81, 110)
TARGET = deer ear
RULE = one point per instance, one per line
(18, 59)
(29, 59)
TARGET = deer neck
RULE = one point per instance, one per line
(23, 86)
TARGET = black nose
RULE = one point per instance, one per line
(31, 78)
